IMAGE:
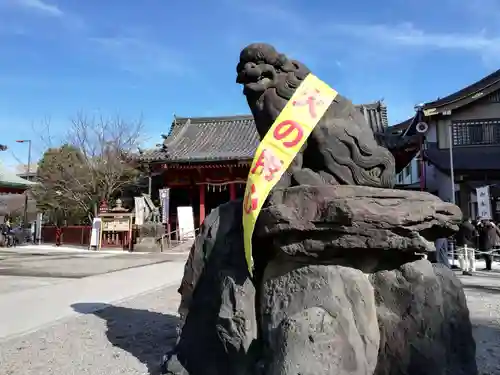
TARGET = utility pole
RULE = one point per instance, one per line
(25, 214)
(452, 172)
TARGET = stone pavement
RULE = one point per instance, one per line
(32, 266)
(483, 298)
(129, 337)
(40, 286)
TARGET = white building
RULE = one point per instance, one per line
(468, 122)
(410, 176)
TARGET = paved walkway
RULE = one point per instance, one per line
(129, 337)
(27, 267)
(29, 309)
(483, 298)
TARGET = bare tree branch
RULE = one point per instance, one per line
(95, 164)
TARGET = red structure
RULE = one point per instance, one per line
(12, 190)
(205, 161)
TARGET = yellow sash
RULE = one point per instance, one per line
(278, 148)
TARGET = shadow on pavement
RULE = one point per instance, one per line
(487, 336)
(146, 335)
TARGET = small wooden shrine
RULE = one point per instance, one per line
(116, 227)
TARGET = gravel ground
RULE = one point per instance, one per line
(483, 298)
(129, 338)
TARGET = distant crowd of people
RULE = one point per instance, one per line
(481, 235)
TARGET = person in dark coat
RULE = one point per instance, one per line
(488, 233)
(442, 251)
(466, 241)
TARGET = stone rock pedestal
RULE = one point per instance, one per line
(424, 322)
(319, 320)
(339, 287)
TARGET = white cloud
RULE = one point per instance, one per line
(406, 34)
(483, 40)
(39, 6)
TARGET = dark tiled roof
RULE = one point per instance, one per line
(466, 158)
(467, 95)
(402, 125)
(470, 90)
(209, 139)
(203, 139)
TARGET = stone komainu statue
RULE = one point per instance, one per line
(342, 148)
(339, 286)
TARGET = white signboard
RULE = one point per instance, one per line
(185, 219)
(483, 202)
(139, 210)
(38, 228)
(95, 233)
(165, 205)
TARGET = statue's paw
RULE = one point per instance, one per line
(170, 365)
(307, 176)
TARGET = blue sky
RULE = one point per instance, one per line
(154, 58)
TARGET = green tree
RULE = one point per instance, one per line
(64, 191)
(96, 163)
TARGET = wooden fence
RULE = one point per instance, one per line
(78, 235)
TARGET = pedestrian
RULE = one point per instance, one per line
(58, 235)
(466, 241)
(442, 251)
(488, 233)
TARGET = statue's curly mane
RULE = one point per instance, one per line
(342, 148)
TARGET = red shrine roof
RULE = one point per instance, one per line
(228, 138)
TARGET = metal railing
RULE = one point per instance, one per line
(455, 252)
(179, 238)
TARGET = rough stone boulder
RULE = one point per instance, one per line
(325, 319)
(318, 320)
(424, 322)
(221, 326)
(357, 223)
(325, 315)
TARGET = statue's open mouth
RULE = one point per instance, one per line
(256, 79)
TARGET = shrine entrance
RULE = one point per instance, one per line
(216, 194)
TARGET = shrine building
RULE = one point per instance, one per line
(12, 189)
(205, 161)
(10, 183)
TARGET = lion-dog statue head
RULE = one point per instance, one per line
(342, 148)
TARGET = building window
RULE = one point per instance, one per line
(408, 170)
(400, 178)
(476, 132)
